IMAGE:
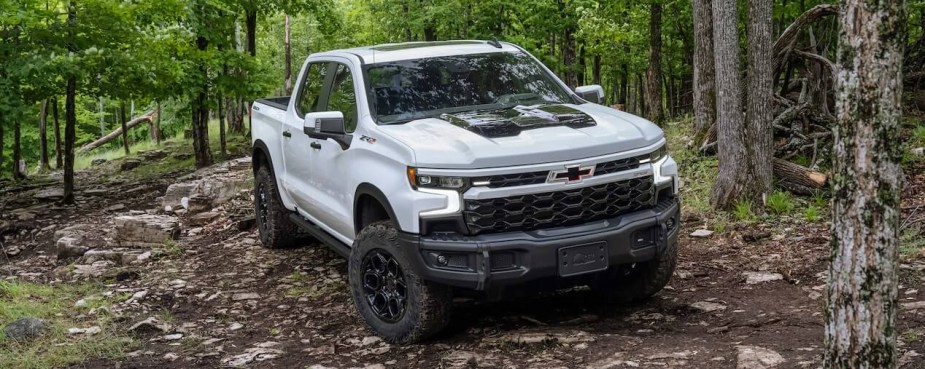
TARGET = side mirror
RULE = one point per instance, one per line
(591, 93)
(327, 124)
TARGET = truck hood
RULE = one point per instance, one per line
(522, 135)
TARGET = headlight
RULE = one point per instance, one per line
(659, 154)
(429, 181)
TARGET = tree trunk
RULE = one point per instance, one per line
(157, 125)
(596, 72)
(122, 121)
(287, 68)
(43, 137)
(758, 115)
(54, 112)
(654, 73)
(640, 95)
(250, 21)
(70, 112)
(200, 115)
(861, 307)
(704, 77)
(221, 126)
(1, 140)
(733, 181)
(568, 58)
(18, 173)
(625, 85)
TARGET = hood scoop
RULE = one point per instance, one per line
(512, 121)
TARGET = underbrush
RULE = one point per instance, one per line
(698, 172)
(56, 305)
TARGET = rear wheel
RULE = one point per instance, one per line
(273, 223)
(639, 281)
(393, 300)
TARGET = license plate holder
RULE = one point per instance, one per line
(581, 259)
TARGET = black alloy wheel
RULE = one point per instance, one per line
(384, 285)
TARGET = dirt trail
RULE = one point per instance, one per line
(749, 298)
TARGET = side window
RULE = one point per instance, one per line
(310, 93)
(343, 97)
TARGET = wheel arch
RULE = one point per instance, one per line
(260, 155)
(370, 205)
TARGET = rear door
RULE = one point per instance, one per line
(297, 151)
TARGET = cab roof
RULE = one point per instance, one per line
(416, 50)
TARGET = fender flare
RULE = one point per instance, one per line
(261, 147)
(369, 189)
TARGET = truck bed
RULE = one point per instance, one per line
(280, 102)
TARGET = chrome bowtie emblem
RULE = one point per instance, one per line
(572, 173)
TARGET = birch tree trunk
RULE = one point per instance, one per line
(18, 172)
(654, 73)
(860, 328)
(704, 76)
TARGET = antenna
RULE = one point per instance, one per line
(494, 42)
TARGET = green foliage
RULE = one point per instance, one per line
(780, 203)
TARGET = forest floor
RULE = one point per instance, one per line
(748, 296)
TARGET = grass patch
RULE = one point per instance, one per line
(812, 214)
(743, 211)
(55, 304)
(911, 243)
(780, 203)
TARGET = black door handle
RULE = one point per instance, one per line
(287, 134)
(315, 145)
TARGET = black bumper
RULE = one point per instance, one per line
(494, 262)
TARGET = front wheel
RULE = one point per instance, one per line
(639, 281)
(393, 300)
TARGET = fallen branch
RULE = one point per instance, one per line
(146, 117)
(784, 44)
(797, 178)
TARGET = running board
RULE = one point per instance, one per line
(339, 247)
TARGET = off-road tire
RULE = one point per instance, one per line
(276, 230)
(427, 306)
(640, 281)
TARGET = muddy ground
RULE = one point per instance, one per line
(237, 304)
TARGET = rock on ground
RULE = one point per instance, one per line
(754, 357)
(25, 328)
(214, 187)
(760, 277)
(701, 233)
(146, 230)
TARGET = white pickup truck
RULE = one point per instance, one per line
(462, 168)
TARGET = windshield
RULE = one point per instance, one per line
(405, 90)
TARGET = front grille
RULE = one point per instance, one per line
(560, 208)
(516, 179)
(616, 166)
(530, 178)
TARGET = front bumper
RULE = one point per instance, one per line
(499, 261)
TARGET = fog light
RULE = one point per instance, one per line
(669, 223)
(441, 260)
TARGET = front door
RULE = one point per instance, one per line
(297, 150)
(334, 200)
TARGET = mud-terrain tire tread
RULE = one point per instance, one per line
(428, 304)
(281, 231)
(647, 279)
